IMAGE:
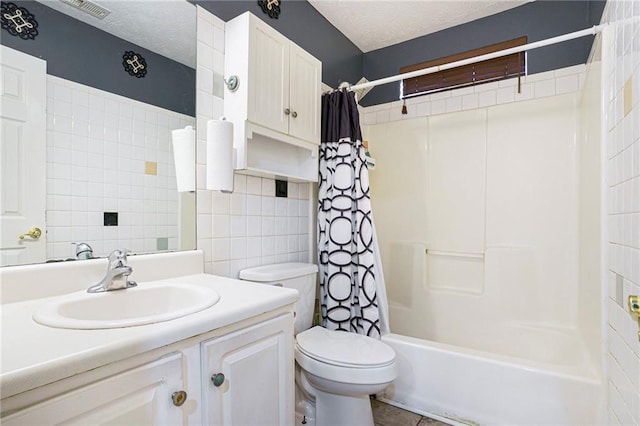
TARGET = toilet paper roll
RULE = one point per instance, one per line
(220, 155)
(184, 157)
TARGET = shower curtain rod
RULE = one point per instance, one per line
(553, 40)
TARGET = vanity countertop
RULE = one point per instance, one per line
(34, 355)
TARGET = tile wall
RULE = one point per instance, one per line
(542, 85)
(107, 153)
(621, 70)
(249, 227)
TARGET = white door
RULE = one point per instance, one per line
(142, 396)
(23, 96)
(305, 74)
(257, 383)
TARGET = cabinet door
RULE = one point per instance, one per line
(268, 77)
(257, 363)
(141, 396)
(305, 74)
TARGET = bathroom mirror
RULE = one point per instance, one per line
(110, 173)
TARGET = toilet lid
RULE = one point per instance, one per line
(342, 348)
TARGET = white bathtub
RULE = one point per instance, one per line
(477, 387)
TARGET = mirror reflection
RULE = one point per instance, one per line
(87, 148)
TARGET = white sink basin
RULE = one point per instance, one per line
(144, 304)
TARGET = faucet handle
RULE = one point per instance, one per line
(118, 257)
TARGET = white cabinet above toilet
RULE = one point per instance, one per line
(276, 107)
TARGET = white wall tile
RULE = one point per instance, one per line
(93, 142)
(487, 98)
(254, 185)
(254, 205)
(268, 205)
(238, 204)
(382, 116)
(505, 95)
(483, 95)
(470, 101)
(268, 187)
(454, 104)
(624, 209)
(567, 84)
(254, 226)
(544, 88)
(438, 106)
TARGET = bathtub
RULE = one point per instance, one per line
(472, 386)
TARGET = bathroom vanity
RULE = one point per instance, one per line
(231, 363)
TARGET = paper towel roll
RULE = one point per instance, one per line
(184, 157)
(220, 155)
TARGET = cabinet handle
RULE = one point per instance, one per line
(179, 398)
(287, 111)
(294, 114)
(217, 379)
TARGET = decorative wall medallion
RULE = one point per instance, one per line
(134, 64)
(18, 21)
(270, 7)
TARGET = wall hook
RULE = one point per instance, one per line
(232, 83)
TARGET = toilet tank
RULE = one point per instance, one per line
(299, 276)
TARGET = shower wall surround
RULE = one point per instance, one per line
(98, 148)
(251, 226)
(621, 72)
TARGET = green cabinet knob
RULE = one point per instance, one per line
(217, 379)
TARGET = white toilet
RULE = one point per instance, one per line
(335, 371)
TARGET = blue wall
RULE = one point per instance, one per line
(538, 20)
(93, 57)
(84, 54)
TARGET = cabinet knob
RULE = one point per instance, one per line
(217, 379)
(287, 111)
(179, 398)
(294, 114)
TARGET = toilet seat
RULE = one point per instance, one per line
(345, 357)
(344, 349)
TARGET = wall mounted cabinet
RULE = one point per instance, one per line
(276, 108)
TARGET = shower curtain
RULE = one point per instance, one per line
(352, 292)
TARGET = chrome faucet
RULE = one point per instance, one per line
(117, 273)
(83, 251)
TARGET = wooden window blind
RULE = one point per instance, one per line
(467, 75)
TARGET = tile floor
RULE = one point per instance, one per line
(388, 415)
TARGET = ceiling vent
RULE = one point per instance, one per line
(88, 7)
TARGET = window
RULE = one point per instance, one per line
(501, 68)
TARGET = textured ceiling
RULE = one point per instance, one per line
(372, 25)
(166, 27)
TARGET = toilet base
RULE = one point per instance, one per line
(320, 408)
(333, 410)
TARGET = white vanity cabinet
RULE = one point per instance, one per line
(172, 385)
(142, 395)
(248, 376)
(276, 107)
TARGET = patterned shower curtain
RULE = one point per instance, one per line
(352, 294)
